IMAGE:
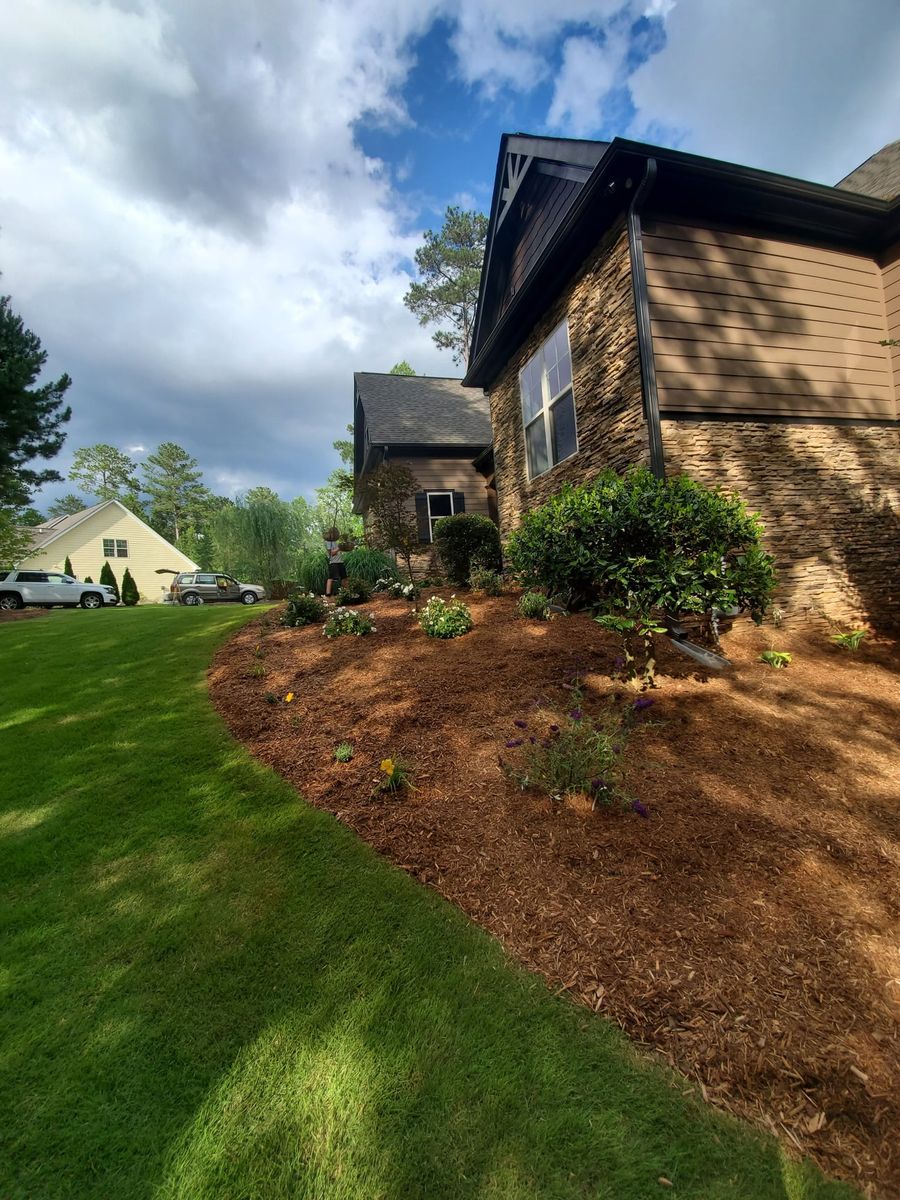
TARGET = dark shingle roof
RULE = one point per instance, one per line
(878, 176)
(422, 410)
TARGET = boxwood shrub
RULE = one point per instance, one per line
(638, 543)
(465, 541)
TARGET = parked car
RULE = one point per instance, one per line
(198, 587)
(46, 589)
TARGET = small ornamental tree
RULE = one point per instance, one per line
(464, 542)
(635, 544)
(390, 496)
(67, 566)
(108, 578)
(87, 579)
(130, 595)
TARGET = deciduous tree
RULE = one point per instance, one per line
(31, 418)
(390, 497)
(450, 269)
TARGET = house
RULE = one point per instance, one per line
(643, 305)
(107, 532)
(438, 429)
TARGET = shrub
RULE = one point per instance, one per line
(466, 541)
(312, 571)
(445, 618)
(343, 752)
(107, 577)
(533, 605)
(303, 609)
(484, 580)
(575, 753)
(636, 635)
(370, 565)
(67, 566)
(353, 591)
(130, 594)
(398, 590)
(87, 579)
(636, 544)
(342, 621)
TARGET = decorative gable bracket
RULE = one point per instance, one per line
(514, 171)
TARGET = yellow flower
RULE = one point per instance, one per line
(387, 765)
(289, 697)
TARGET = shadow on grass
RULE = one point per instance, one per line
(210, 989)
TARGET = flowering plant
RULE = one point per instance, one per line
(346, 621)
(445, 618)
(394, 776)
(398, 590)
(575, 753)
(303, 609)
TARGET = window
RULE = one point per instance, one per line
(548, 404)
(210, 579)
(31, 577)
(440, 504)
(115, 548)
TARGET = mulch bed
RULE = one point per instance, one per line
(22, 614)
(747, 929)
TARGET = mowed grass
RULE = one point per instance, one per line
(210, 989)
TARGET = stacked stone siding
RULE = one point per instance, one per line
(829, 496)
(606, 376)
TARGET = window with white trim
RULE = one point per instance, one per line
(548, 404)
(115, 548)
(440, 504)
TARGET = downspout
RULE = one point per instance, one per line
(642, 316)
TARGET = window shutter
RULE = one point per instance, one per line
(459, 502)
(422, 517)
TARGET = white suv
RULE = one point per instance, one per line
(44, 589)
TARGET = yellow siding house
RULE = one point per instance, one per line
(109, 532)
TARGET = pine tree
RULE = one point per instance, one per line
(31, 426)
(67, 567)
(104, 471)
(67, 506)
(107, 577)
(130, 595)
(172, 481)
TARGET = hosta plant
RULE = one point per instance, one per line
(445, 618)
(851, 639)
(775, 658)
(347, 621)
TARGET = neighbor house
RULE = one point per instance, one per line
(438, 429)
(642, 305)
(107, 532)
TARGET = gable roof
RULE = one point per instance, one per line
(44, 535)
(405, 410)
(878, 176)
(684, 186)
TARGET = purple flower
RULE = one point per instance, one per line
(640, 809)
(532, 739)
(643, 702)
(597, 784)
(554, 729)
(576, 714)
(520, 724)
(617, 749)
(619, 663)
(513, 742)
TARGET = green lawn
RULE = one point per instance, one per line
(209, 989)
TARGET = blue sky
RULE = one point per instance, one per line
(209, 208)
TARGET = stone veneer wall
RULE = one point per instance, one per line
(607, 383)
(829, 496)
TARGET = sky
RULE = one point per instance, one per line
(209, 208)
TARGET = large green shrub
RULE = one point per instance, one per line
(465, 541)
(130, 595)
(107, 577)
(370, 565)
(312, 571)
(304, 608)
(635, 543)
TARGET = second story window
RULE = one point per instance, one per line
(115, 548)
(548, 403)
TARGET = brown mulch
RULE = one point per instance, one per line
(20, 614)
(747, 930)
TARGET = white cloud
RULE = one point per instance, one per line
(802, 88)
(590, 69)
